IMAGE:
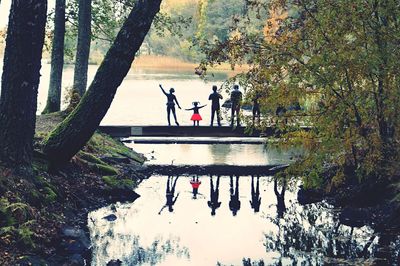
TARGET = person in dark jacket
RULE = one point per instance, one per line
(215, 107)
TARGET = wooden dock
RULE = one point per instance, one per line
(182, 131)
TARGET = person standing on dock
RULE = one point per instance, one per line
(236, 99)
(215, 107)
(196, 117)
(171, 100)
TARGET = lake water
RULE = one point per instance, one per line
(139, 100)
(215, 154)
(225, 228)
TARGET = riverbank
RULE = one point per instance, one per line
(43, 218)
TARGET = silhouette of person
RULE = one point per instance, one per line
(234, 203)
(171, 100)
(236, 99)
(256, 108)
(255, 201)
(196, 117)
(280, 111)
(280, 197)
(213, 203)
(170, 194)
(195, 185)
(215, 107)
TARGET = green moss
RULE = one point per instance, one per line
(41, 135)
(102, 143)
(25, 236)
(49, 194)
(6, 218)
(114, 182)
(90, 157)
(106, 169)
(39, 165)
(13, 213)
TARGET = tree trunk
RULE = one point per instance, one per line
(20, 81)
(83, 46)
(73, 133)
(57, 60)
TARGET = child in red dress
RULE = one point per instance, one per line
(195, 185)
(196, 117)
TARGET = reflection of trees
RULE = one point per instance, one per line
(219, 152)
(309, 235)
(136, 254)
(156, 252)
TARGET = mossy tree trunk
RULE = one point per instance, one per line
(83, 46)
(20, 81)
(73, 133)
(57, 60)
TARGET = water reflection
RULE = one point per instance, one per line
(274, 231)
(255, 201)
(234, 203)
(195, 183)
(307, 237)
(213, 203)
(280, 197)
(170, 194)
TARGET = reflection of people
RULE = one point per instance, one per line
(170, 194)
(213, 203)
(280, 197)
(171, 100)
(215, 107)
(236, 99)
(255, 201)
(234, 203)
(196, 117)
(195, 185)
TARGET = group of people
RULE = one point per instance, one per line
(215, 97)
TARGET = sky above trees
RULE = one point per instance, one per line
(5, 8)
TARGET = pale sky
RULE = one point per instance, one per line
(5, 8)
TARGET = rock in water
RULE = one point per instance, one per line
(114, 263)
(110, 218)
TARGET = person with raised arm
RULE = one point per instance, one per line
(196, 117)
(171, 100)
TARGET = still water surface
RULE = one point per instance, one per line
(219, 154)
(229, 220)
